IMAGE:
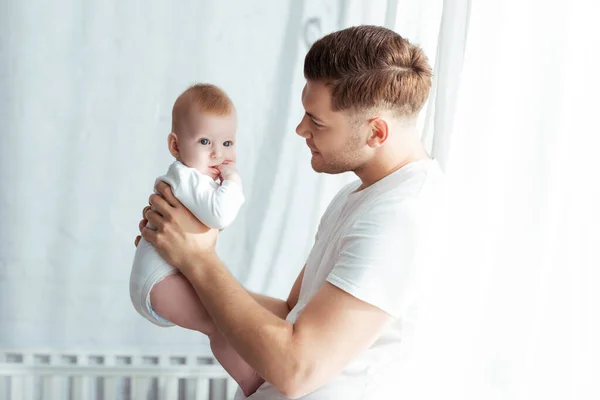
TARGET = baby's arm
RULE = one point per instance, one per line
(215, 206)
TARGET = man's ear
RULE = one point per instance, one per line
(173, 146)
(379, 132)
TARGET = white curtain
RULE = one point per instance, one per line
(517, 133)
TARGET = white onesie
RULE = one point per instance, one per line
(213, 204)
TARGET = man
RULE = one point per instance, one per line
(345, 331)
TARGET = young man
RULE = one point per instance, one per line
(346, 329)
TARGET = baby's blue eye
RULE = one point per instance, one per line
(204, 141)
(228, 143)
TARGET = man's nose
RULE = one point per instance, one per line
(302, 129)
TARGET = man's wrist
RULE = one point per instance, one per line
(198, 264)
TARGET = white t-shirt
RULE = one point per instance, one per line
(378, 244)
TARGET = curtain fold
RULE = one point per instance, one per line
(439, 118)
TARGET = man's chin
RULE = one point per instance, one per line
(332, 169)
(323, 168)
(316, 166)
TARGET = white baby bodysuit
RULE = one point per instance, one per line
(216, 205)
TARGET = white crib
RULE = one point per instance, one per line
(114, 375)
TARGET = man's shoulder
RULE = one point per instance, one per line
(403, 196)
(422, 179)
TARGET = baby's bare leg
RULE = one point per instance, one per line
(239, 370)
(175, 299)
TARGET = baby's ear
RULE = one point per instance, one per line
(172, 143)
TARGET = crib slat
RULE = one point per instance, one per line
(168, 388)
(109, 385)
(3, 379)
(110, 388)
(81, 388)
(167, 385)
(4, 387)
(231, 388)
(53, 388)
(139, 388)
(21, 387)
(82, 385)
(202, 389)
(218, 389)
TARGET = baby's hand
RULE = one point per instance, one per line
(229, 172)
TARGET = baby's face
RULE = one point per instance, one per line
(207, 142)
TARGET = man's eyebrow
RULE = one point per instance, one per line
(313, 116)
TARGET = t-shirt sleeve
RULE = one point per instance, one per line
(377, 257)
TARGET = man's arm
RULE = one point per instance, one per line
(279, 307)
(295, 358)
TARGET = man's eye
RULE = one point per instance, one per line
(204, 141)
(316, 124)
(228, 143)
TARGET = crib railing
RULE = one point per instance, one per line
(123, 375)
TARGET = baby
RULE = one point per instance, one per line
(204, 178)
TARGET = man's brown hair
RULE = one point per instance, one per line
(370, 67)
(202, 97)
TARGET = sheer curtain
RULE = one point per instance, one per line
(521, 314)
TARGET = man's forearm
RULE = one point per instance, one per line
(255, 328)
(277, 306)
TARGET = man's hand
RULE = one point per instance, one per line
(178, 236)
(141, 226)
(229, 172)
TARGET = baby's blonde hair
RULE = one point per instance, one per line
(201, 97)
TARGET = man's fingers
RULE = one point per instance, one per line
(144, 211)
(165, 190)
(154, 218)
(142, 223)
(149, 235)
(158, 204)
(137, 240)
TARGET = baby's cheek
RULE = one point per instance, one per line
(231, 156)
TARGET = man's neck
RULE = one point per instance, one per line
(382, 166)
